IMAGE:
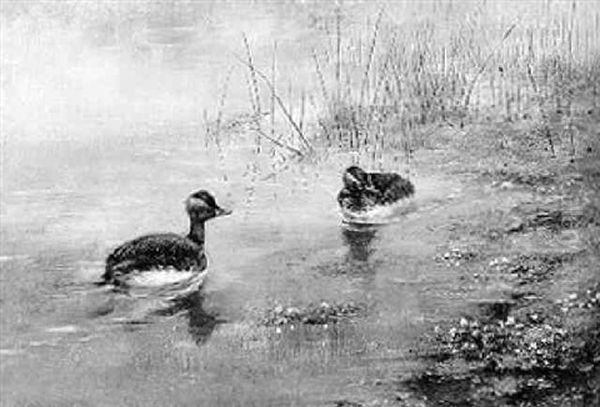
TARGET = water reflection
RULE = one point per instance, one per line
(133, 313)
(359, 240)
(201, 323)
(356, 262)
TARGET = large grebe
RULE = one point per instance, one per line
(134, 261)
(364, 191)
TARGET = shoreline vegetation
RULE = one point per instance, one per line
(489, 95)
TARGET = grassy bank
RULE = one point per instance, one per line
(416, 70)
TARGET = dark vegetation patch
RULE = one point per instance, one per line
(480, 388)
(531, 268)
(533, 359)
(455, 256)
(313, 314)
(543, 353)
(554, 216)
(347, 403)
(515, 344)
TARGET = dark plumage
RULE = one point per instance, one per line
(166, 249)
(365, 190)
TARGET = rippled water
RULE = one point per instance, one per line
(108, 149)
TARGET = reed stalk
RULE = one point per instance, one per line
(484, 64)
(281, 105)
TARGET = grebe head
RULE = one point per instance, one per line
(201, 206)
(355, 178)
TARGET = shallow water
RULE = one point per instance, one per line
(108, 149)
(284, 244)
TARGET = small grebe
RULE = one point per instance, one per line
(364, 191)
(166, 250)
